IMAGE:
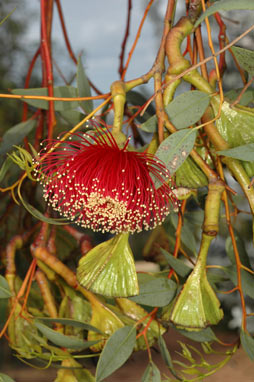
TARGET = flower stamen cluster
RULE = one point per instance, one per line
(93, 182)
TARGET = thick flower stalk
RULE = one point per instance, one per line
(91, 181)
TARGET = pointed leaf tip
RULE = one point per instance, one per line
(225, 5)
(5, 378)
(247, 343)
(117, 350)
(4, 288)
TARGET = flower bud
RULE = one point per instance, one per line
(109, 269)
(189, 175)
(104, 320)
(196, 306)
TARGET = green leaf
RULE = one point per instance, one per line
(185, 110)
(247, 343)
(84, 88)
(175, 149)
(5, 167)
(157, 292)
(38, 215)
(4, 288)
(245, 57)
(62, 340)
(246, 99)
(178, 265)
(204, 335)
(59, 91)
(150, 126)
(225, 5)
(247, 280)
(70, 322)
(16, 134)
(109, 268)
(164, 352)
(152, 373)
(5, 378)
(72, 117)
(117, 350)
(244, 257)
(244, 152)
(187, 237)
(137, 99)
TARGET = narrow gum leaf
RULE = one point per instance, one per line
(15, 135)
(196, 306)
(106, 321)
(174, 150)
(225, 5)
(243, 152)
(109, 269)
(187, 108)
(116, 352)
(151, 374)
(178, 265)
(4, 168)
(4, 288)
(247, 343)
(70, 322)
(245, 57)
(38, 215)
(63, 340)
(4, 377)
(156, 292)
(59, 91)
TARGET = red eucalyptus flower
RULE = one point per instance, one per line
(105, 188)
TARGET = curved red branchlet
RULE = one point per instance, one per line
(93, 182)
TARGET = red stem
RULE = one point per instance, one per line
(136, 38)
(27, 81)
(222, 42)
(127, 31)
(66, 38)
(47, 64)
